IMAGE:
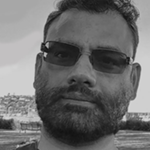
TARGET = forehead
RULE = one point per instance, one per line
(92, 30)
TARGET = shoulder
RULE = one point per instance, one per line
(30, 145)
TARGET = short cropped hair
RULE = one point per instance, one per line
(127, 10)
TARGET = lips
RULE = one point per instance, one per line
(77, 96)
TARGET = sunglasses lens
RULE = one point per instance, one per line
(109, 61)
(61, 54)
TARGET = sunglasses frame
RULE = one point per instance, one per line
(129, 60)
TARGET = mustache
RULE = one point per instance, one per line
(55, 94)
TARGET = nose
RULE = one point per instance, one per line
(83, 73)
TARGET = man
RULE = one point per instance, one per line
(85, 77)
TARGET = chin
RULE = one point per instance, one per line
(76, 125)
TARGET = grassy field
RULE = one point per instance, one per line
(125, 140)
(133, 140)
(9, 139)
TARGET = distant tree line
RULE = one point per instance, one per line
(137, 125)
(6, 124)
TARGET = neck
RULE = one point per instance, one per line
(49, 143)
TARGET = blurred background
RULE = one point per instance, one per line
(21, 33)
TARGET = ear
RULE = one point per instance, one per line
(135, 78)
(38, 65)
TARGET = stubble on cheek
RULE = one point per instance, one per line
(79, 120)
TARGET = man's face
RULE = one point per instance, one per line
(79, 104)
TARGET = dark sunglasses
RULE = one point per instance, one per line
(107, 61)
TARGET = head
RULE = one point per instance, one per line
(84, 99)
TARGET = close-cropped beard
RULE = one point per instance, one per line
(77, 125)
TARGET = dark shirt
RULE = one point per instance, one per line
(30, 145)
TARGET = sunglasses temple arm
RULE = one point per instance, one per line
(43, 48)
(130, 60)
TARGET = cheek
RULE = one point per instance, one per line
(113, 83)
(56, 78)
(53, 74)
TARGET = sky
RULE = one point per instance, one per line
(21, 33)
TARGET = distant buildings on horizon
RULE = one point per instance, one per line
(18, 106)
(15, 106)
